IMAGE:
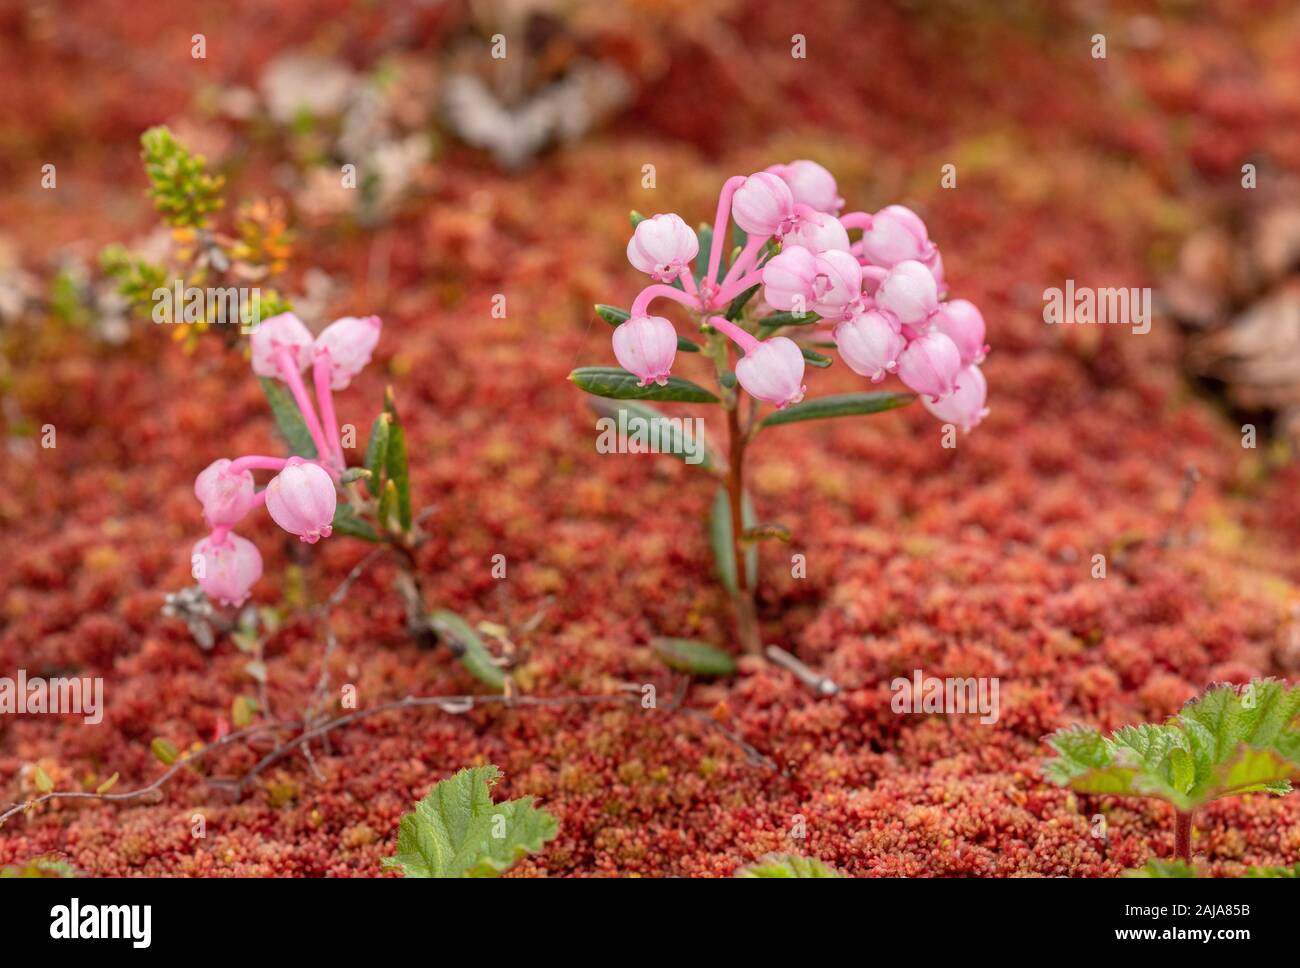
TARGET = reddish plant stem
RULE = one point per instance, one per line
(1183, 835)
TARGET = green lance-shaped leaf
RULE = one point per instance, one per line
(387, 509)
(1221, 744)
(457, 831)
(737, 305)
(347, 522)
(399, 473)
(774, 321)
(164, 751)
(474, 655)
(685, 345)
(674, 436)
(838, 405)
(695, 658)
(705, 235)
(377, 452)
(619, 384)
(814, 358)
(288, 418)
(788, 865)
(720, 540)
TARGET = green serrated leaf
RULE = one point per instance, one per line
(696, 658)
(288, 418)
(641, 421)
(788, 865)
(720, 540)
(838, 405)
(474, 655)
(619, 384)
(457, 831)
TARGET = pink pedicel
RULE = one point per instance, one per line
(870, 342)
(226, 495)
(909, 292)
(283, 331)
(963, 323)
(929, 365)
(896, 234)
(349, 341)
(662, 247)
(810, 184)
(302, 499)
(965, 406)
(646, 346)
(226, 566)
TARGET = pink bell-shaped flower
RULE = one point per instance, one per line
(870, 342)
(349, 341)
(772, 371)
(225, 497)
(799, 281)
(662, 246)
(909, 292)
(646, 346)
(818, 232)
(287, 331)
(301, 499)
(895, 235)
(811, 185)
(837, 286)
(962, 322)
(763, 205)
(965, 406)
(226, 566)
(929, 365)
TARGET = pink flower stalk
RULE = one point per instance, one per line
(895, 234)
(646, 346)
(870, 342)
(349, 342)
(285, 331)
(909, 292)
(965, 407)
(764, 205)
(929, 365)
(799, 280)
(301, 499)
(226, 495)
(771, 370)
(663, 246)
(819, 232)
(962, 322)
(810, 184)
(227, 566)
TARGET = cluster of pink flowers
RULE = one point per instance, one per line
(302, 496)
(882, 295)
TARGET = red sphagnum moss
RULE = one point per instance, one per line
(974, 561)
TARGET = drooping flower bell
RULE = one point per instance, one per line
(226, 566)
(810, 184)
(909, 292)
(870, 342)
(662, 246)
(962, 322)
(772, 371)
(301, 499)
(929, 365)
(283, 331)
(646, 346)
(818, 232)
(226, 497)
(764, 205)
(965, 406)
(896, 234)
(799, 280)
(349, 341)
